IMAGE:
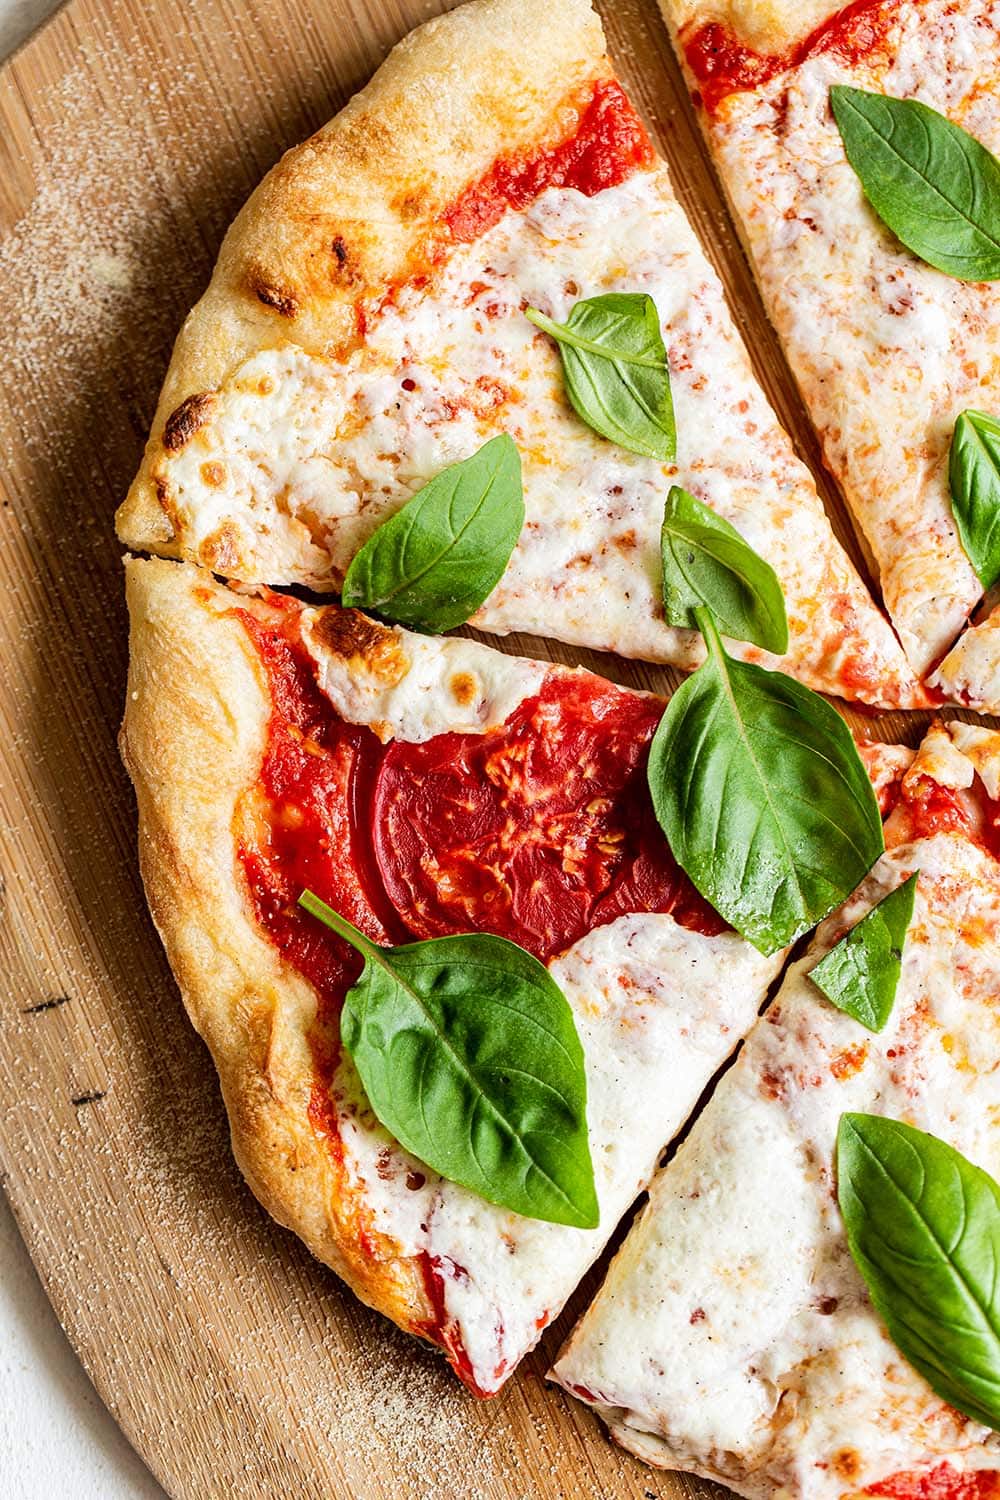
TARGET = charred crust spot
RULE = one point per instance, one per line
(411, 207)
(463, 688)
(349, 634)
(344, 268)
(93, 1097)
(184, 421)
(281, 298)
(164, 500)
(827, 1305)
(213, 474)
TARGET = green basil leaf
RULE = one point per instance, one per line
(974, 476)
(923, 1226)
(469, 1056)
(762, 795)
(706, 561)
(860, 975)
(616, 372)
(433, 563)
(934, 185)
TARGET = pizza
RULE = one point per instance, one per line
(887, 350)
(422, 787)
(733, 1336)
(470, 934)
(366, 327)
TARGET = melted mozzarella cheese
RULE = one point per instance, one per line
(887, 350)
(658, 1008)
(733, 1335)
(970, 673)
(301, 459)
(435, 685)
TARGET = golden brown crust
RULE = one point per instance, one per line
(193, 737)
(770, 26)
(342, 216)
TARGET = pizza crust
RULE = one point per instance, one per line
(343, 215)
(193, 738)
(769, 26)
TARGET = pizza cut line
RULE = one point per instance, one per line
(365, 327)
(887, 350)
(760, 1361)
(322, 793)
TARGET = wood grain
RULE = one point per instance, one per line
(129, 135)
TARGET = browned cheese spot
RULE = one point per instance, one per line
(349, 634)
(847, 1463)
(213, 474)
(220, 551)
(463, 688)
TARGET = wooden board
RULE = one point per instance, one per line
(129, 134)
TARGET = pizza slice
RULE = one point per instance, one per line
(366, 328)
(421, 787)
(734, 1336)
(888, 350)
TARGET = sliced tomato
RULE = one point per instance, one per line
(536, 831)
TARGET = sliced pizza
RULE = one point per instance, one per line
(889, 350)
(367, 327)
(734, 1336)
(420, 787)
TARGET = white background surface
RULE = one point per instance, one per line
(57, 1442)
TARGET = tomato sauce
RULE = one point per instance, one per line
(723, 65)
(541, 829)
(925, 807)
(940, 1483)
(608, 145)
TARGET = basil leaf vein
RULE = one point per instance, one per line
(706, 561)
(974, 478)
(934, 185)
(469, 1055)
(760, 790)
(616, 372)
(861, 974)
(433, 563)
(923, 1226)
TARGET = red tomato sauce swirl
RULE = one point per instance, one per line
(722, 65)
(608, 145)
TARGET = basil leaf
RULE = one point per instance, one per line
(469, 1056)
(432, 564)
(706, 561)
(615, 367)
(974, 476)
(860, 975)
(762, 795)
(934, 185)
(923, 1226)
